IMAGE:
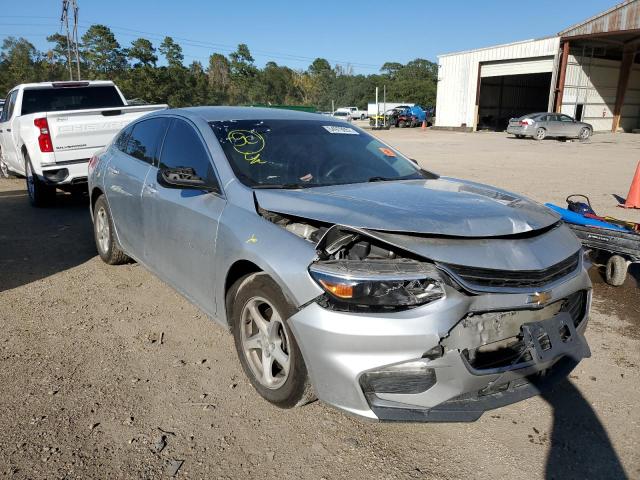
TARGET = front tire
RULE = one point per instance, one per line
(584, 134)
(266, 347)
(40, 194)
(104, 234)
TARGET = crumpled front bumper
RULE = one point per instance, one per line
(342, 349)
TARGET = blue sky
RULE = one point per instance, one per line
(363, 33)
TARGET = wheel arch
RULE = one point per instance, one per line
(236, 271)
(93, 196)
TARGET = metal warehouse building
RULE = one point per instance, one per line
(589, 71)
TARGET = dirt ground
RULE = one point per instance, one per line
(108, 373)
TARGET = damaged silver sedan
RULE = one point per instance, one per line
(345, 271)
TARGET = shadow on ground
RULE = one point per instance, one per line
(38, 242)
(580, 446)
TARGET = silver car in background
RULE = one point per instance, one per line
(345, 271)
(547, 124)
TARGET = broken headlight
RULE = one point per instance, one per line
(385, 283)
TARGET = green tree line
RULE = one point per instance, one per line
(231, 79)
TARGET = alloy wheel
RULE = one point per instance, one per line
(102, 229)
(265, 343)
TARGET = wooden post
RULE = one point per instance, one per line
(623, 82)
(564, 59)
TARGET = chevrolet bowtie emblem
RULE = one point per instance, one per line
(539, 298)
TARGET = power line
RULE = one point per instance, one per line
(208, 45)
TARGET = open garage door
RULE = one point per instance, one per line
(511, 89)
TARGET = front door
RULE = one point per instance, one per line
(181, 225)
(569, 126)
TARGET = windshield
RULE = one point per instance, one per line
(305, 153)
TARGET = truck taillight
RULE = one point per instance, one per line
(44, 139)
(92, 162)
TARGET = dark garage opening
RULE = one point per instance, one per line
(511, 96)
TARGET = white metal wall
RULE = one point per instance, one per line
(593, 82)
(458, 77)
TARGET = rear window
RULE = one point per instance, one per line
(69, 98)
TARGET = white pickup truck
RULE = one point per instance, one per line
(354, 113)
(49, 131)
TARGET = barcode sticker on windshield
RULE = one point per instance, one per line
(341, 130)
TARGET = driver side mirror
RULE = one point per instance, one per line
(184, 178)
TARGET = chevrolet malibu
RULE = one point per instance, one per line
(345, 271)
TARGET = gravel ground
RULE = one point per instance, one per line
(108, 373)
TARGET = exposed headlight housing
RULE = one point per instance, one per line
(383, 283)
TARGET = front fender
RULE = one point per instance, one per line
(244, 235)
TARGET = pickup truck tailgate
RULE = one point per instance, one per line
(77, 134)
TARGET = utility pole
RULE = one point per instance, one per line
(72, 35)
(64, 22)
(377, 108)
(384, 108)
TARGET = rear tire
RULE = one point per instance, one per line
(541, 133)
(104, 234)
(616, 270)
(40, 194)
(266, 347)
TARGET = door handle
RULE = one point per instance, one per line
(113, 171)
(8, 129)
(0, 131)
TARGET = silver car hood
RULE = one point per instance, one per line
(443, 206)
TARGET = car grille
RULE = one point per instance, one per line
(487, 278)
(576, 306)
(515, 350)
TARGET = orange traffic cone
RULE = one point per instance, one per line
(424, 125)
(633, 198)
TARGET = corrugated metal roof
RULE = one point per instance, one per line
(519, 42)
(621, 17)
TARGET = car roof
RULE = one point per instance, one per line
(213, 114)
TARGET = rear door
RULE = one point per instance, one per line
(134, 153)
(181, 225)
(555, 127)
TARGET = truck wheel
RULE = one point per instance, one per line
(267, 349)
(616, 272)
(106, 242)
(40, 194)
(401, 124)
(4, 169)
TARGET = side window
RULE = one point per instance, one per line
(566, 118)
(12, 103)
(7, 108)
(183, 148)
(123, 136)
(145, 138)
